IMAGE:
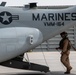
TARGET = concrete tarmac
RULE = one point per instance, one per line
(50, 59)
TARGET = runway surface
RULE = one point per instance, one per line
(50, 59)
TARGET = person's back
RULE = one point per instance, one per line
(61, 44)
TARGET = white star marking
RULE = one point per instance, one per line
(5, 17)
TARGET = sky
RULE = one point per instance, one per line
(39, 2)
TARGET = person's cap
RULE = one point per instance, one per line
(63, 33)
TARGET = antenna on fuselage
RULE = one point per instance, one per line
(31, 6)
(3, 4)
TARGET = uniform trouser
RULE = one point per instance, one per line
(65, 60)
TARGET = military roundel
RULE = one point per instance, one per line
(7, 18)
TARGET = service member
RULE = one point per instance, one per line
(65, 46)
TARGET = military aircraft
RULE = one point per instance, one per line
(23, 29)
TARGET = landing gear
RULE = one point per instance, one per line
(19, 64)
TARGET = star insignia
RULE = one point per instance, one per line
(5, 17)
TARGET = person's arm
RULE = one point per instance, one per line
(65, 46)
(57, 48)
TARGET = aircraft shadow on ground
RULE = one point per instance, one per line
(49, 73)
(29, 74)
(26, 74)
